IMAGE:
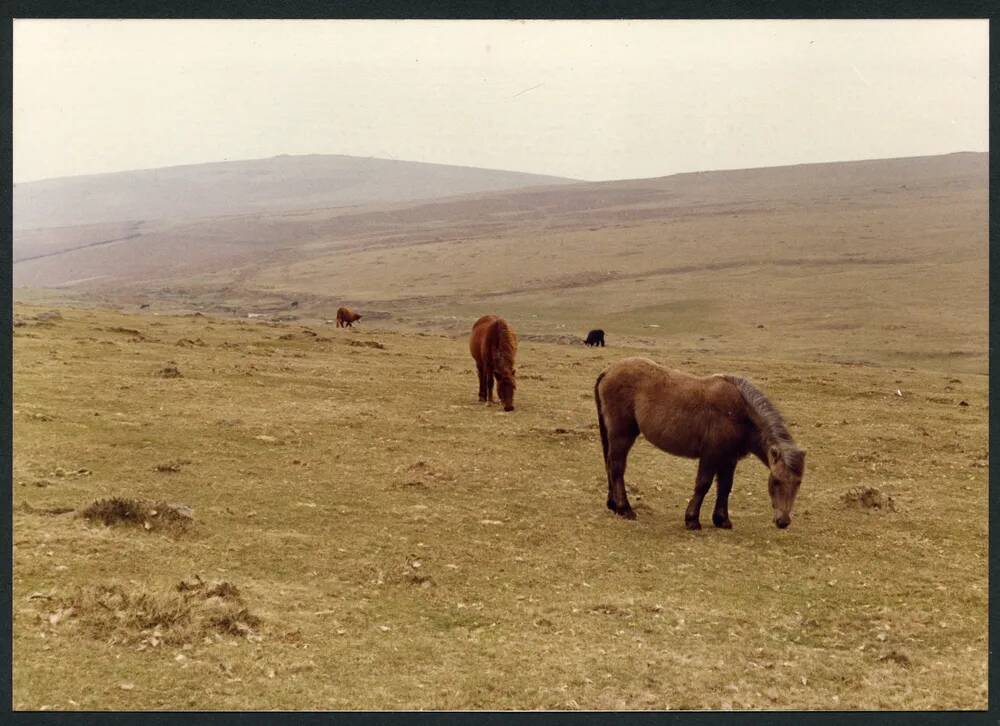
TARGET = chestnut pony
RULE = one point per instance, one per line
(346, 317)
(716, 419)
(494, 345)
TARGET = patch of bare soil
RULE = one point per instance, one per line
(192, 611)
(869, 498)
(44, 318)
(41, 320)
(170, 372)
(126, 331)
(588, 432)
(422, 474)
(51, 511)
(412, 572)
(60, 473)
(897, 657)
(367, 344)
(171, 467)
(146, 514)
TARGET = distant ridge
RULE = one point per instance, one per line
(279, 183)
(322, 237)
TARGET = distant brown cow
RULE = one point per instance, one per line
(345, 318)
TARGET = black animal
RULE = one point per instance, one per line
(144, 306)
(595, 338)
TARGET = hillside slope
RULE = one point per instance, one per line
(864, 260)
(239, 187)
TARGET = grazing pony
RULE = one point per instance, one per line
(717, 419)
(493, 345)
(345, 318)
(595, 338)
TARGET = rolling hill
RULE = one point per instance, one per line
(363, 533)
(238, 187)
(888, 258)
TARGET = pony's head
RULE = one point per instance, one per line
(506, 385)
(787, 465)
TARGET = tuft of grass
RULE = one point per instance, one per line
(121, 614)
(869, 498)
(141, 513)
(169, 372)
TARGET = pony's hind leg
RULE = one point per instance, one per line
(720, 516)
(482, 381)
(702, 483)
(619, 444)
(488, 383)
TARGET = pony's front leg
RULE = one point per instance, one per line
(702, 483)
(720, 517)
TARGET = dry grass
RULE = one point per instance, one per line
(869, 498)
(138, 513)
(878, 263)
(125, 614)
(405, 547)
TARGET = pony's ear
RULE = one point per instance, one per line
(773, 455)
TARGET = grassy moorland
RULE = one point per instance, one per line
(366, 535)
(879, 262)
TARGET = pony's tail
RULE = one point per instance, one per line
(600, 418)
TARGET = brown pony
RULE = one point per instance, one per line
(494, 345)
(345, 318)
(717, 419)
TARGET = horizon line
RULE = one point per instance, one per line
(567, 179)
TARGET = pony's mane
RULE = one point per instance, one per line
(769, 422)
(506, 348)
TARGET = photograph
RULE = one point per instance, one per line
(500, 365)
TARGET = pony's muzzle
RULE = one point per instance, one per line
(782, 520)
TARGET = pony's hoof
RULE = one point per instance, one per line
(625, 512)
(722, 523)
(692, 524)
(611, 505)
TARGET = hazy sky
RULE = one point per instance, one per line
(584, 99)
